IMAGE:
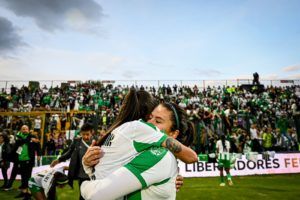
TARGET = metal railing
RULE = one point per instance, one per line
(5, 85)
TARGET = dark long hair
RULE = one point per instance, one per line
(58, 177)
(223, 142)
(5, 137)
(136, 105)
(181, 123)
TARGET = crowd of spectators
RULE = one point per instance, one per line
(252, 119)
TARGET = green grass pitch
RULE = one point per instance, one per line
(264, 187)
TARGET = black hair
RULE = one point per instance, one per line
(181, 123)
(222, 137)
(87, 127)
(136, 105)
(59, 179)
(5, 137)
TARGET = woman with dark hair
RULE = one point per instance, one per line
(223, 149)
(43, 185)
(5, 151)
(145, 163)
(136, 109)
(180, 127)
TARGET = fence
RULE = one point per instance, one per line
(45, 117)
(201, 84)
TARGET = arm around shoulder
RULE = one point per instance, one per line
(182, 152)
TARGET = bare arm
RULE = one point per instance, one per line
(117, 182)
(65, 156)
(184, 153)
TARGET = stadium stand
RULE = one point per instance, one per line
(264, 120)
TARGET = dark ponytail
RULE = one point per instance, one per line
(189, 134)
(223, 142)
(59, 178)
(136, 105)
(5, 137)
(52, 192)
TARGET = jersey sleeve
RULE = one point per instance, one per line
(153, 166)
(146, 135)
(159, 169)
(118, 184)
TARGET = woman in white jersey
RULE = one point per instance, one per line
(224, 157)
(148, 167)
(43, 184)
(164, 117)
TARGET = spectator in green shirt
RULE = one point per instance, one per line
(267, 138)
(26, 147)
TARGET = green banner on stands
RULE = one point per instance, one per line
(203, 157)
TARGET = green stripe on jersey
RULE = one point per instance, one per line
(162, 182)
(224, 156)
(137, 195)
(145, 161)
(140, 146)
(137, 173)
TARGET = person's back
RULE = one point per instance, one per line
(43, 179)
(136, 145)
(224, 159)
(163, 191)
(42, 185)
(223, 152)
(124, 143)
(222, 149)
(143, 141)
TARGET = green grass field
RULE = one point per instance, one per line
(265, 187)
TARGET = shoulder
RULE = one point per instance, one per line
(76, 140)
(136, 125)
(146, 125)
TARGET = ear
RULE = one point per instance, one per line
(174, 134)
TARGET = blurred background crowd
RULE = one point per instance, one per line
(253, 119)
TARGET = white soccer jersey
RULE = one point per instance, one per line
(220, 148)
(164, 191)
(125, 143)
(154, 170)
(160, 177)
(44, 179)
(136, 146)
(222, 152)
